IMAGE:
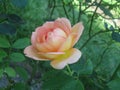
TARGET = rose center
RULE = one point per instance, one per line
(55, 33)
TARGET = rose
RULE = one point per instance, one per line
(54, 41)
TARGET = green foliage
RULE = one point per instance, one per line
(116, 36)
(83, 67)
(67, 1)
(106, 11)
(17, 57)
(3, 54)
(20, 86)
(57, 80)
(1, 72)
(21, 43)
(22, 73)
(97, 69)
(19, 3)
(10, 71)
(114, 84)
(6, 28)
(4, 43)
(13, 18)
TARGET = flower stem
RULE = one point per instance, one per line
(69, 70)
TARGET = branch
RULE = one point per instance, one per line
(65, 9)
(93, 18)
(79, 11)
(92, 37)
(53, 8)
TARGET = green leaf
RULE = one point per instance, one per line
(80, 0)
(118, 74)
(13, 18)
(21, 43)
(109, 63)
(3, 54)
(19, 3)
(1, 72)
(114, 84)
(118, 71)
(83, 67)
(66, 1)
(17, 57)
(20, 86)
(7, 29)
(73, 85)
(22, 73)
(10, 71)
(54, 80)
(4, 43)
(88, 0)
(1, 1)
(3, 17)
(116, 36)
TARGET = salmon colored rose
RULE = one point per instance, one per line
(54, 41)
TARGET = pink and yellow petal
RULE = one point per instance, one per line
(49, 25)
(77, 30)
(63, 24)
(67, 44)
(70, 56)
(51, 55)
(31, 52)
(34, 38)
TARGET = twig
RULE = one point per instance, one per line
(53, 8)
(73, 14)
(92, 37)
(65, 9)
(79, 16)
(93, 18)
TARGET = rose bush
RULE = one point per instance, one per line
(54, 41)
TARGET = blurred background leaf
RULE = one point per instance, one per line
(19, 3)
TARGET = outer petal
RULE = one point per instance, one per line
(70, 57)
(34, 38)
(77, 31)
(63, 24)
(32, 53)
(49, 25)
(51, 55)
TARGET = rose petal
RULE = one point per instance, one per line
(67, 44)
(34, 38)
(77, 30)
(41, 31)
(49, 25)
(56, 42)
(31, 52)
(59, 32)
(44, 47)
(70, 56)
(51, 55)
(63, 24)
